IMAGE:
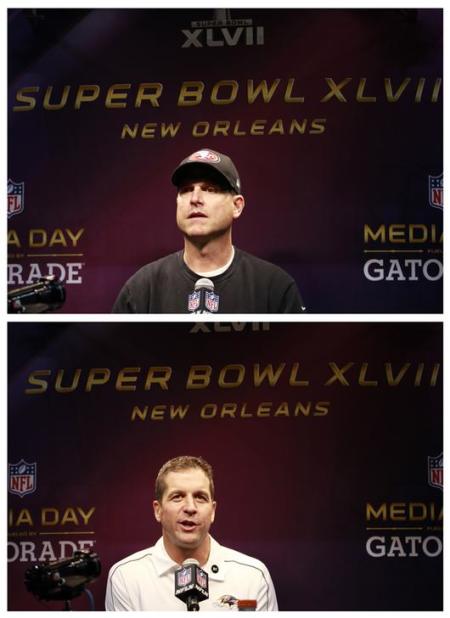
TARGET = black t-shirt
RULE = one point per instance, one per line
(249, 285)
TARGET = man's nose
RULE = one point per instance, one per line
(189, 504)
(197, 195)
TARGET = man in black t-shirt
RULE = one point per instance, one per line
(209, 200)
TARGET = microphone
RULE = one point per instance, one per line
(45, 295)
(191, 584)
(203, 299)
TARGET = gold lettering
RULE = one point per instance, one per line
(338, 374)
(59, 388)
(74, 237)
(41, 384)
(62, 102)
(97, 377)
(335, 90)
(231, 98)
(261, 88)
(233, 384)
(115, 100)
(13, 239)
(257, 127)
(86, 515)
(199, 377)
(267, 373)
(373, 513)
(292, 378)
(390, 96)
(22, 97)
(156, 90)
(190, 94)
(288, 98)
(126, 382)
(360, 97)
(378, 234)
(362, 377)
(86, 93)
(37, 238)
(154, 378)
(390, 376)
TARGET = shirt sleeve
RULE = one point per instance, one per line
(124, 302)
(267, 598)
(291, 301)
(117, 598)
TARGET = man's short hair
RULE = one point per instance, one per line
(184, 462)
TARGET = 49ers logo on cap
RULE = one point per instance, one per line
(205, 155)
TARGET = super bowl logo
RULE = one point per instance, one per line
(22, 478)
(16, 203)
(436, 191)
(212, 302)
(436, 471)
(222, 31)
(184, 577)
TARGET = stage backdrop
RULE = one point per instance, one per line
(326, 442)
(333, 118)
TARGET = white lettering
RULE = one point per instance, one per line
(69, 273)
(27, 551)
(410, 270)
(407, 547)
(218, 37)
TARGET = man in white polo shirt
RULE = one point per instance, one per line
(185, 507)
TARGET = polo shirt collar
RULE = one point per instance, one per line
(215, 566)
(161, 559)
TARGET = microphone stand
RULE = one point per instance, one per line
(192, 604)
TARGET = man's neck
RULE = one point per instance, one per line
(208, 257)
(180, 554)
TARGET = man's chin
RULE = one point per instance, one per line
(201, 239)
(189, 542)
(195, 231)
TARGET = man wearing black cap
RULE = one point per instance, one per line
(209, 199)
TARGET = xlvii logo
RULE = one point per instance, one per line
(223, 31)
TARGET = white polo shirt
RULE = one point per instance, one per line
(145, 581)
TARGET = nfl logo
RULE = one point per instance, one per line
(194, 301)
(22, 478)
(16, 192)
(184, 577)
(436, 471)
(436, 191)
(201, 579)
(212, 302)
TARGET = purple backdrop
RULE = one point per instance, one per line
(341, 164)
(323, 475)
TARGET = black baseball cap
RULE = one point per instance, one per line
(217, 161)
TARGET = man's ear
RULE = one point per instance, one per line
(157, 510)
(213, 516)
(238, 205)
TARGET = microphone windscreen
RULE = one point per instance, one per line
(204, 284)
(191, 561)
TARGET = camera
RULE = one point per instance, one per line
(63, 579)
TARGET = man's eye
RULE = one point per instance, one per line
(210, 189)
